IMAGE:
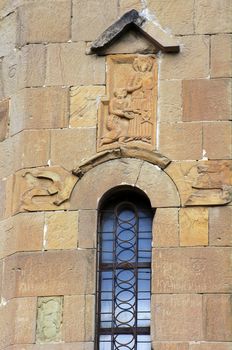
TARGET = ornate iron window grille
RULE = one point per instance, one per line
(124, 278)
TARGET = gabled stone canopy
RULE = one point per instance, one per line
(135, 21)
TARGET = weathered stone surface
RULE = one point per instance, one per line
(69, 147)
(192, 270)
(23, 232)
(87, 228)
(221, 56)
(49, 319)
(8, 34)
(38, 22)
(220, 226)
(177, 317)
(194, 49)
(219, 134)
(6, 195)
(90, 19)
(127, 5)
(193, 226)
(211, 346)
(218, 317)
(170, 101)
(127, 115)
(171, 346)
(45, 188)
(174, 16)
(61, 230)
(49, 273)
(39, 108)
(166, 228)
(84, 101)
(67, 64)
(205, 11)
(181, 140)
(206, 99)
(55, 346)
(4, 116)
(78, 322)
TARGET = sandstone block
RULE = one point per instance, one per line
(177, 317)
(211, 346)
(55, 346)
(4, 118)
(218, 328)
(205, 11)
(192, 270)
(87, 228)
(206, 99)
(39, 108)
(194, 49)
(25, 320)
(8, 27)
(7, 157)
(175, 16)
(220, 134)
(127, 5)
(78, 322)
(49, 319)
(69, 147)
(61, 230)
(221, 56)
(171, 346)
(181, 140)
(6, 194)
(92, 17)
(170, 101)
(23, 232)
(37, 22)
(84, 102)
(193, 226)
(220, 226)
(67, 64)
(166, 228)
(49, 273)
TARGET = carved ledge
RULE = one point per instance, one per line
(152, 157)
(134, 20)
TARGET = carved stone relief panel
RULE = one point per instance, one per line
(127, 115)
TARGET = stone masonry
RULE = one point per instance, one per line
(52, 175)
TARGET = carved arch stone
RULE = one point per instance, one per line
(141, 174)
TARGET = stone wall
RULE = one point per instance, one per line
(50, 91)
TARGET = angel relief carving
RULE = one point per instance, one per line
(128, 114)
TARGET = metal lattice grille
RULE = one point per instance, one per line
(124, 250)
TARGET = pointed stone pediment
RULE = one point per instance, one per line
(133, 21)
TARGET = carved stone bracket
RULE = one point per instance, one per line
(43, 188)
(121, 152)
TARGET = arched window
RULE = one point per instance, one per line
(124, 272)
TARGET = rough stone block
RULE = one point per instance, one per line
(220, 134)
(92, 17)
(37, 22)
(69, 147)
(218, 317)
(192, 270)
(171, 346)
(6, 197)
(220, 226)
(177, 317)
(206, 99)
(49, 319)
(78, 322)
(194, 49)
(8, 27)
(193, 226)
(181, 140)
(205, 11)
(84, 101)
(4, 119)
(67, 64)
(221, 56)
(55, 346)
(49, 273)
(127, 5)
(39, 108)
(174, 16)
(87, 228)
(170, 101)
(7, 157)
(23, 232)
(166, 228)
(211, 346)
(61, 230)
(25, 320)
